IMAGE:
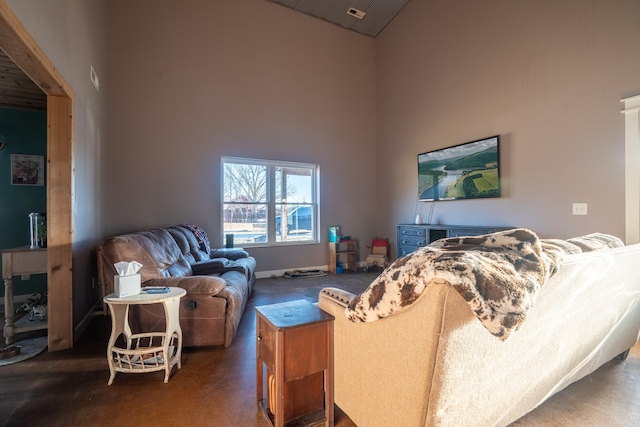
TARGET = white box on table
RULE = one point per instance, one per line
(126, 286)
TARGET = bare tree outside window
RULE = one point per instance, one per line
(245, 191)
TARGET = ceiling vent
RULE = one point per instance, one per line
(368, 17)
(356, 13)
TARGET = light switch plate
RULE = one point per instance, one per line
(94, 78)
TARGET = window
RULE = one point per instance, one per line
(268, 202)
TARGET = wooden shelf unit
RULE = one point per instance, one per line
(345, 250)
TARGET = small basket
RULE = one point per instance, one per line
(146, 353)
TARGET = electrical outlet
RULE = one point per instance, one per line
(579, 208)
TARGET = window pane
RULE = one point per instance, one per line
(294, 223)
(295, 184)
(245, 183)
(247, 223)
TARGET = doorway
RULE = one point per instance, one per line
(22, 48)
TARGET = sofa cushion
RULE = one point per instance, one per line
(596, 242)
(243, 265)
(156, 250)
(202, 320)
(202, 240)
(188, 243)
(210, 285)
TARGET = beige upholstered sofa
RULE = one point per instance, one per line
(218, 282)
(435, 364)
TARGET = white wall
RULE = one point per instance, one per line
(547, 76)
(192, 81)
(72, 34)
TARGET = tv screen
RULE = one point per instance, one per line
(465, 171)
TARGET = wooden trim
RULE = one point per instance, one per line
(102, 283)
(59, 237)
(22, 48)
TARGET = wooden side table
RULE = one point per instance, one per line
(17, 261)
(295, 347)
(145, 352)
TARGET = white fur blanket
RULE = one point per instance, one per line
(499, 275)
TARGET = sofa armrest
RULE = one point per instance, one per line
(410, 336)
(232, 254)
(220, 266)
(243, 265)
(337, 296)
(210, 285)
(210, 266)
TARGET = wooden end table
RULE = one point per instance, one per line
(145, 352)
(295, 347)
(17, 261)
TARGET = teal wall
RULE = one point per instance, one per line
(24, 132)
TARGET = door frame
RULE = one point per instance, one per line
(631, 111)
(22, 48)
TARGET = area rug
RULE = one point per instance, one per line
(28, 349)
(304, 273)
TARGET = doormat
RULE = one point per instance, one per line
(28, 349)
(303, 273)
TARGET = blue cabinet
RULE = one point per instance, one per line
(415, 236)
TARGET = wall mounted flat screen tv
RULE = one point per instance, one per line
(465, 171)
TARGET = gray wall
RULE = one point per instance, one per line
(192, 81)
(187, 82)
(547, 76)
(72, 34)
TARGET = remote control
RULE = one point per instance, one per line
(157, 290)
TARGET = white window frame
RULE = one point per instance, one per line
(271, 202)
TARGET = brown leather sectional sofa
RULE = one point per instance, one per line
(218, 282)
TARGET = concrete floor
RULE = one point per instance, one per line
(216, 386)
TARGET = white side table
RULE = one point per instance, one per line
(145, 352)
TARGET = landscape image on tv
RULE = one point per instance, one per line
(465, 171)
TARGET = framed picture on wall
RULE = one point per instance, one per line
(27, 169)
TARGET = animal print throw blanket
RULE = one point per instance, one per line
(498, 275)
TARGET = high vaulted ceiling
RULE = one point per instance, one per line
(17, 90)
(378, 13)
